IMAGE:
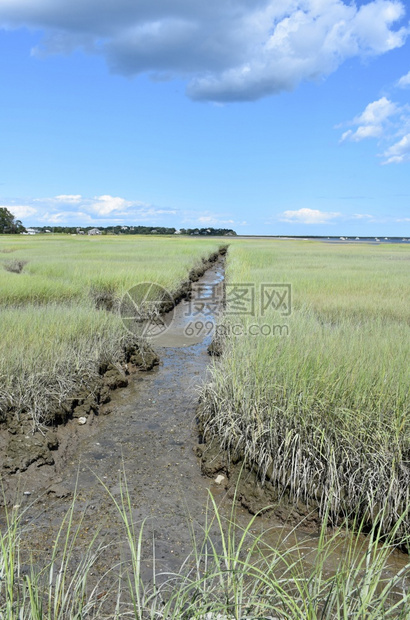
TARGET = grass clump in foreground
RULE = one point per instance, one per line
(60, 319)
(321, 410)
(233, 573)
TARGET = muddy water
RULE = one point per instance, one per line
(150, 435)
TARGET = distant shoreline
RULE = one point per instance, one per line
(334, 239)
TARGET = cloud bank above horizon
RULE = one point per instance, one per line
(76, 210)
(106, 210)
(226, 51)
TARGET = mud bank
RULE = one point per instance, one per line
(263, 493)
(22, 446)
(184, 290)
(244, 483)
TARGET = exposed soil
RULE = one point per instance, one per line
(20, 447)
(244, 483)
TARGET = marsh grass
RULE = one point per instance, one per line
(323, 413)
(230, 571)
(59, 317)
(63, 268)
(48, 354)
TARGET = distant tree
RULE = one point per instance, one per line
(208, 231)
(138, 230)
(8, 223)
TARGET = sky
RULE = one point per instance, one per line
(268, 117)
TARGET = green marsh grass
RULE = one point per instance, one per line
(54, 330)
(323, 413)
(49, 353)
(62, 268)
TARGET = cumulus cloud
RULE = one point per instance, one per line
(69, 198)
(213, 220)
(104, 205)
(387, 121)
(377, 112)
(404, 81)
(398, 152)
(371, 122)
(362, 216)
(20, 211)
(66, 218)
(74, 209)
(315, 216)
(226, 50)
(308, 216)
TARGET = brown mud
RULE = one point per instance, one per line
(21, 445)
(150, 434)
(243, 483)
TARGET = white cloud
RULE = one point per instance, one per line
(213, 220)
(377, 112)
(204, 219)
(20, 211)
(226, 50)
(398, 152)
(308, 216)
(404, 81)
(55, 218)
(387, 121)
(371, 122)
(365, 131)
(104, 210)
(69, 218)
(69, 198)
(154, 211)
(104, 205)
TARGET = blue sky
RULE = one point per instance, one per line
(266, 117)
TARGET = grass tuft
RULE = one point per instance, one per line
(14, 266)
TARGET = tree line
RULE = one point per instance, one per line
(9, 224)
